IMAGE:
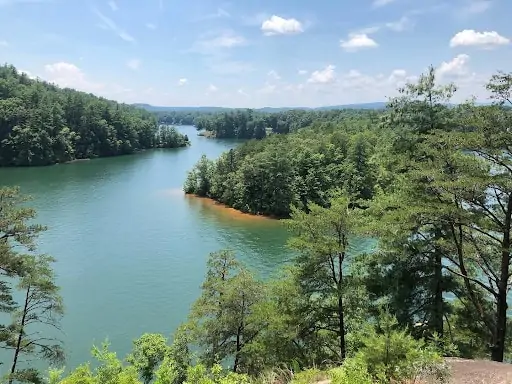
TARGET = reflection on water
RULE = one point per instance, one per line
(220, 211)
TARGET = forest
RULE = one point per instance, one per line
(41, 124)
(428, 182)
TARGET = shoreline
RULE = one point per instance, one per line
(232, 212)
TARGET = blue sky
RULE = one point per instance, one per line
(253, 53)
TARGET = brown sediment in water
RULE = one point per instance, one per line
(225, 211)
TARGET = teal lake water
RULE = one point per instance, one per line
(131, 248)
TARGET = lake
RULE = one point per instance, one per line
(131, 248)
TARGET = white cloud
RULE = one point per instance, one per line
(454, 68)
(182, 81)
(357, 41)
(151, 26)
(212, 88)
(133, 64)
(111, 25)
(113, 5)
(70, 76)
(401, 25)
(470, 37)
(398, 74)
(277, 25)
(381, 3)
(302, 72)
(274, 75)
(27, 73)
(324, 76)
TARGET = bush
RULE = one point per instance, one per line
(391, 355)
(199, 374)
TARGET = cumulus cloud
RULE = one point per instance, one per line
(277, 25)
(470, 37)
(133, 64)
(456, 67)
(357, 41)
(182, 81)
(70, 76)
(324, 76)
(27, 73)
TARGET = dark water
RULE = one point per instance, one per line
(131, 248)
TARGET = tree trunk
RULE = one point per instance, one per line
(341, 315)
(20, 337)
(237, 354)
(341, 327)
(498, 347)
(437, 318)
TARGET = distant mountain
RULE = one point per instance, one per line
(153, 108)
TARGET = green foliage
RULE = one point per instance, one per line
(322, 239)
(267, 177)
(41, 124)
(148, 352)
(224, 319)
(199, 374)
(391, 355)
(169, 137)
(28, 277)
(353, 371)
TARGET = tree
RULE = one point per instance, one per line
(148, 352)
(223, 317)
(198, 180)
(322, 238)
(41, 306)
(419, 111)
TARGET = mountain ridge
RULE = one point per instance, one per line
(154, 108)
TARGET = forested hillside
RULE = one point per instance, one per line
(250, 124)
(42, 124)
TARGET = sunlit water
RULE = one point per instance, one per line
(131, 248)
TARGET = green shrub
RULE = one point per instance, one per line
(353, 371)
(392, 355)
(199, 374)
(309, 376)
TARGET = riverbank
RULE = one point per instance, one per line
(227, 211)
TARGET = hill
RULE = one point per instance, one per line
(210, 109)
(42, 124)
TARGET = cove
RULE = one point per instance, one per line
(131, 249)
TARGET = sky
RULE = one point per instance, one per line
(256, 53)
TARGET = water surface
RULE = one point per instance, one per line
(131, 248)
